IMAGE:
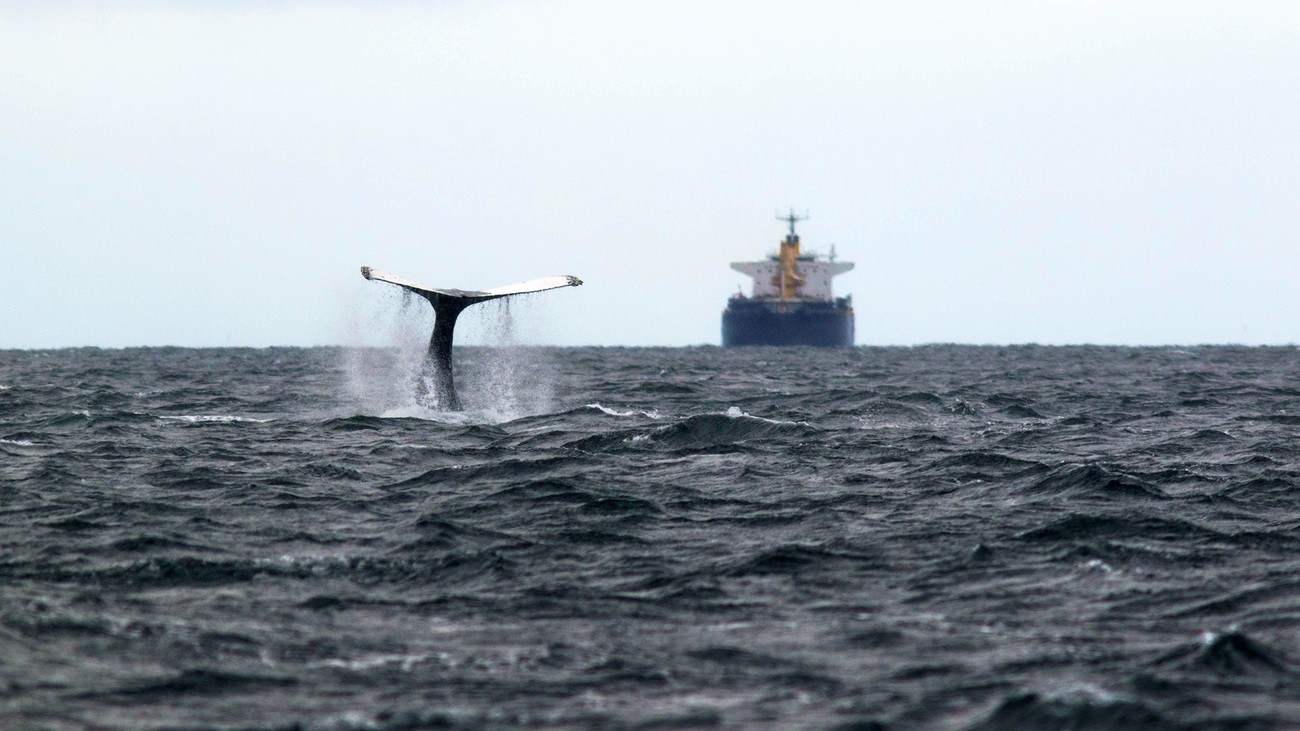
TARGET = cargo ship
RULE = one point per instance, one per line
(792, 302)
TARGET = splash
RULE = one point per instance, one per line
(381, 379)
(500, 380)
(505, 375)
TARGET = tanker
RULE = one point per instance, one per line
(792, 302)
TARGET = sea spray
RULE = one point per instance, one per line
(506, 376)
(380, 380)
(500, 380)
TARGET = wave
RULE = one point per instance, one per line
(540, 494)
(867, 538)
(615, 412)
(1085, 710)
(800, 559)
(214, 419)
(196, 681)
(1079, 526)
(161, 572)
(1231, 654)
(732, 428)
(453, 418)
(1072, 482)
(985, 465)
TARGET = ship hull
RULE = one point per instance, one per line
(774, 322)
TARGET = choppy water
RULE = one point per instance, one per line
(938, 537)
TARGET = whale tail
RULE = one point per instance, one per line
(447, 306)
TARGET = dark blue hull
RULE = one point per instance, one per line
(774, 322)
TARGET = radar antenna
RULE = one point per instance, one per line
(792, 219)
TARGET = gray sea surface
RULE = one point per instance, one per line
(940, 537)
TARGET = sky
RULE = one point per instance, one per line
(1050, 171)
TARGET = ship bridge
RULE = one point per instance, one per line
(791, 275)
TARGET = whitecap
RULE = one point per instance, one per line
(1097, 565)
(607, 410)
(212, 418)
(412, 412)
(1080, 693)
(454, 418)
(17, 442)
(406, 662)
(734, 412)
(615, 412)
(472, 417)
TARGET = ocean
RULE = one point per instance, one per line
(938, 537)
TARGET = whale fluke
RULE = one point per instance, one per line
(447, 306)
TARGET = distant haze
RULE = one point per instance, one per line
(180, 173)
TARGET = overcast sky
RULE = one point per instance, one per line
(1046, 171)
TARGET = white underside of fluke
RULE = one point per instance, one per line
(534, 285)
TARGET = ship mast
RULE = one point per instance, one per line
(789, 279)
(792, 219)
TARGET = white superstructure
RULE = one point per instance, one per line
(790, 275)
(816, 276)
